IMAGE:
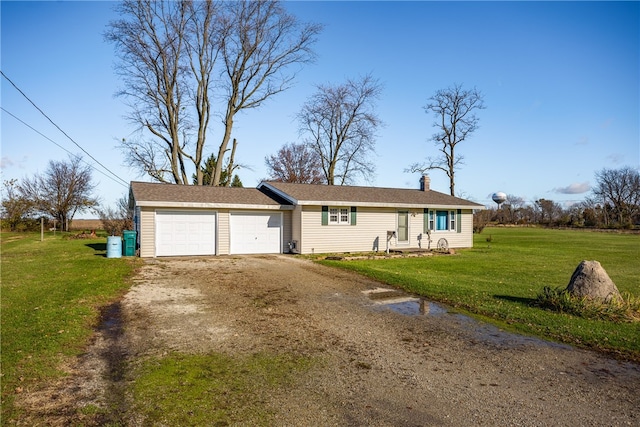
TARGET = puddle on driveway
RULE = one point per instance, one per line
(403, 303)
(415, 307)
(408, 305)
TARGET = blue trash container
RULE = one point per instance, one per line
(114, 247)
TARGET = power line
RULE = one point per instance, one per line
(58, 127)
(121, 182)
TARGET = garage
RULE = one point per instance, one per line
(180, 233)
(255, 232)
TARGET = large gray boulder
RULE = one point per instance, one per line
(591, 280)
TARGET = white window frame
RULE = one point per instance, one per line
(452, 219)
(339, 215)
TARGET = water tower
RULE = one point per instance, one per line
(499, 198)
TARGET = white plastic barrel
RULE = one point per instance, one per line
(114, 247)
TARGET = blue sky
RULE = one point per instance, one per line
(561, 82)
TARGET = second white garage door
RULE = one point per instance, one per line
(255, 233)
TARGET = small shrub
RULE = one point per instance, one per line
(116, 220)
(626, 309)
(481, 219)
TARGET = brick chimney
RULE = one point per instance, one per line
(425, 183)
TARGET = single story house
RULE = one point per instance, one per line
(276, 217)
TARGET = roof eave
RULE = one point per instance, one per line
(387, 205)
(279, 192)
(200, 205)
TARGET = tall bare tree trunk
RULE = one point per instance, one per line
(231, 164)
(169, 52)
(228, 125)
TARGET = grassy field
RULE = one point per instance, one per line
(52, 292)
(500, 279)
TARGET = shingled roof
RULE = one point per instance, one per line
(310, 194)
(173, 195)
(280, 195)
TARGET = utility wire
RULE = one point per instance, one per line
(121, 182)
(58, 127)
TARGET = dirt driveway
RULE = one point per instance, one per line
(383, 368)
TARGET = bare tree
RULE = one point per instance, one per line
(176, 56)
(63, 190)
(482, 218)
(621, 189)
(547, 211)
(262, 41)
(116, 220)
(455, 112)
(296, 163)
(513, 205)
(16, 208)
(151, 40)
(340, 124)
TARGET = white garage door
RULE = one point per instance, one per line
(255, 233)
(185, 233)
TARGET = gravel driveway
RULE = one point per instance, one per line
(383, 367)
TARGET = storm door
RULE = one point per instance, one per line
(403, 227)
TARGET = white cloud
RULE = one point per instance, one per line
(616, 158)
(583, 140)
(606, 124)
(5, 162)
(575, 188)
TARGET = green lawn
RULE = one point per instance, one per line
(212, 389)
(52, 292)
(499, 280)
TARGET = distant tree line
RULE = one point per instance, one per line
(55, 196)
(62, 190)
(614, 202)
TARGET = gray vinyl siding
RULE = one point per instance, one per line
(222, 233)
(373, 213)
(463, 239)
(147, 234)
(286, 230)
(296, 227)
(370, 233)
(304, 224)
